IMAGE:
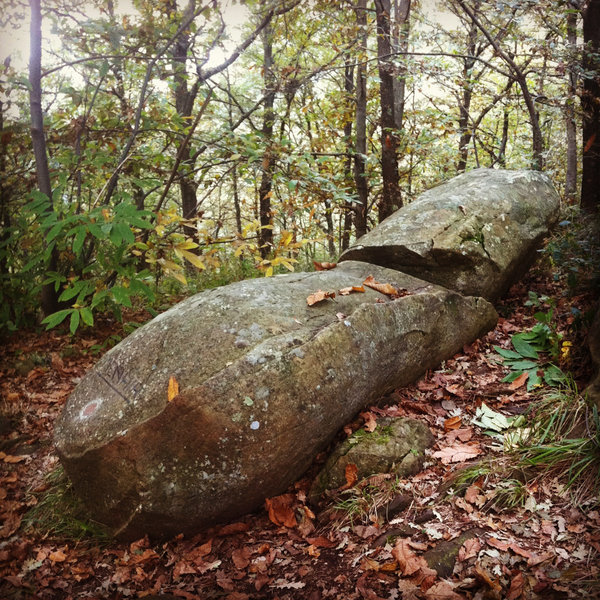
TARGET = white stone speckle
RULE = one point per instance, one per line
(254, 425)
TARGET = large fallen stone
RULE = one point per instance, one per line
(476, 234)
(265, 382)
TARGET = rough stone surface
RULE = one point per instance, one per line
(396, 446)
(593, 389)
(265, 382)
(475, 234)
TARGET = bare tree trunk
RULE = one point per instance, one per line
(265, 234)
(185, 98)
(571, 126)
(390, 199)
(467, 95)
(590, 102)
(347, 216)
(400, 45)
(49, 296)
(4, 199)
(520, 77)
(360, 156)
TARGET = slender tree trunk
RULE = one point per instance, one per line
(265, 235)
(570, 122)
(4, 198)
(520, 77)
(347, 216)
(590, 102)
(465, 104)
(504, 140)
(390, 199)
(185, 98)
(360, 155)
(400, 45)
(49, 296)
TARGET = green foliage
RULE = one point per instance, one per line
(559, 438)
(535, 349)
(563, 438)
(57, 512)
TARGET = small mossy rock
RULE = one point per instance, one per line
(443, 557)
(395, 446)
(264, 383)
(476, 234)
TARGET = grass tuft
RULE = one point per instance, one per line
(58, 513)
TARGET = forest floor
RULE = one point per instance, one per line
(358, 545)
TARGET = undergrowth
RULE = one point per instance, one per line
(560, 442)
(58, 513)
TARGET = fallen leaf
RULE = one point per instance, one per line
(407, 560)
(457, 453)
(452, 423)
(9, 458)
(516, 587)
(384, 288)
(520, 551)
(319, 296)
(288, 585)
(370, 421)
(211, 566)
(352, 289)
(241, 557)
(472, 493)
(368, 564)
(470, 549)
(487, 418)
(442, 590)
(537, 559)
(173, 389)
(197, 554)
(351, 474)
(321, 542)
(324, 266)
(519, 381)
(281, 511)
(233, 528)
(58, 556)
(494, 543)
(464, 434)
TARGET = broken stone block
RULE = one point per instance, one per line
(475, 234)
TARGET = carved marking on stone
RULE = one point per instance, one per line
(119, 381)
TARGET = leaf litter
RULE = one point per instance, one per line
(544, 547)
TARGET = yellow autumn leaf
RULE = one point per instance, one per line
(187, 245)
(173, 389)
(194, 259)
(179, 276)
(269, 272)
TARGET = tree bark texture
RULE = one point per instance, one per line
(590, 103)
(390, 197)
(265, 234)
(520, 77)
(400, 44)
(49, 296)
(360, 155)
(571, 126)
(466, 97)
(347, 215)
(185, 97)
